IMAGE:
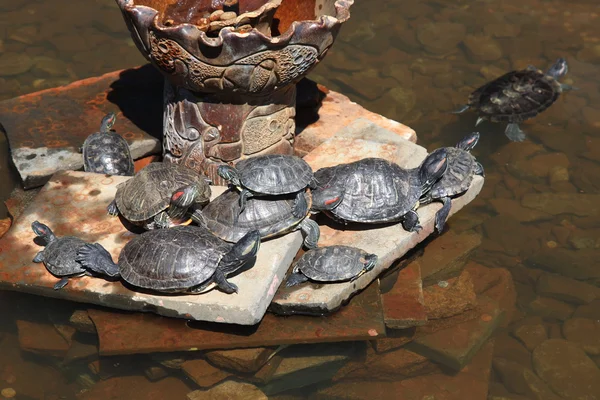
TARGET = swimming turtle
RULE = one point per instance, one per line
(331, 264)
(106, 152)
(271, 216)
(271, 174)
(457, 179)
(59, 254)
(517, 96)
(182, 259)
(160, 195)
(380, 191)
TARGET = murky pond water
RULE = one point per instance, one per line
(538, 215)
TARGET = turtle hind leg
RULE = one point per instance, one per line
(566, 87)
(410, 221)
(442, 215)
(312, 233)
(479, 169)
(61, 284)
(514, 133)
(39, 257)
(461, 110)
(222, 283)
(295, 279)
(112, 208)
(95, 258)
(300, 208)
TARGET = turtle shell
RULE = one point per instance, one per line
(458, 176)
(331, 263)
(271, 216)
(173, 259)
(274, 174)
(149, 191)
(376, 190)
(107, 153)
(516, 96)
(60, 255)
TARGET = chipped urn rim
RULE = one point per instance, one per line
(327, 22)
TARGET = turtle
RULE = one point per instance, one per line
(331, 264)
(59, 254)
(181, 259)
(106, 152)
(271, 174)
(270, 215)
(160, 195)
(457, 179)
(380, 191)
(517, 96)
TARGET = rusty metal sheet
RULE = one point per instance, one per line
(45, 129)
(128, 333)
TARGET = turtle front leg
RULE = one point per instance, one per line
(222, 282)
(162, 220)
(410, 221)
(112, 208)
(514, 133)
(39, 257)
(61, 284)
(300, 205)
(312, 233)
(295, 278)
(245, 194)
(479, 169)
(442, 215)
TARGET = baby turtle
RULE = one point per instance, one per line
(160, 195)
(457, 179)
(106, 152)
(271, 216)
(272, 174)
(182, 259)
(331, 264)
(380, 191)
(517, 96)
(59, 254)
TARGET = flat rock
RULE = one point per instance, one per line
(389, 242)
(522, 380)
(550, 308)
(585, 332)
(454, 296)
(229, 390)
(128, 333)
(567, 370)
(531, 334)
(580, 204)
(240, 360)
(454, 347)
(74, 203)
(565, 289)
(203, 373)
(576, 264)
(403, 305)
(41, 339)
(61, 119)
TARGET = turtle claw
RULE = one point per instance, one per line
(461, 110)
(61, 284)
(112, 209)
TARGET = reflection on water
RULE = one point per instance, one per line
(538, 215)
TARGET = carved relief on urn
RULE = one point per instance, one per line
(230, 87)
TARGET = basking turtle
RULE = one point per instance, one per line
(517, 96)
(271, 216)
(106, 152)
(160, 195)
(272, 174)
(331, 264)
(182, 259)
(380, 191)
(59, 254)
(457, 179)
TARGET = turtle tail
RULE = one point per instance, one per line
(96, 258)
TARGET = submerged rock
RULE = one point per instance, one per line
(584, 332)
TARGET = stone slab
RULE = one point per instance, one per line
(389, 242)
(403, 305)
(74, 203)
(129, 333)
(45, 129)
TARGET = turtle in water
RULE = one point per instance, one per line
(106, 152)
(182, 259)
(59, 254)
(380, 191)
(271, 216)
(331, 264)
(272, 174)
(160, 195)
(517, 96)
(457, 179)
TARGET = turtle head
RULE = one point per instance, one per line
(433, 168)
(229, 173)
(43, 231)
(468, 142)
(370, 262)
(326, 198)
(558, 69)
(107, 122)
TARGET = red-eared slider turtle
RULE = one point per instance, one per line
(59, 254)
(517, 96)
(457, 179)
(271, 174)
(182, 259)
(106, 152)
(331, 264)
(271, 216)
(160, 195)
(380, 191)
